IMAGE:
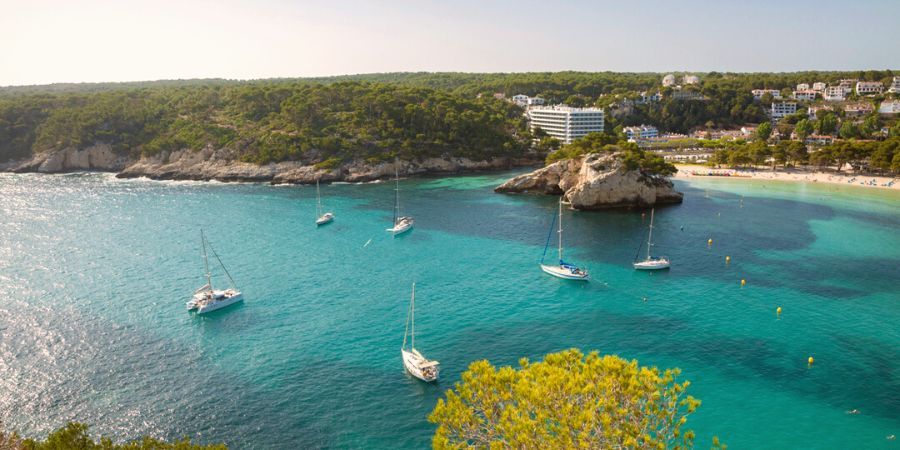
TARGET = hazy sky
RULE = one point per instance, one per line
(44, 41)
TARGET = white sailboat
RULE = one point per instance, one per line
(402, 224)
(321, 217)
(415, 363)
(563, 270)
(206, 298)
(651, 263)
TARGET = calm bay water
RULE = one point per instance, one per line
(94, 273)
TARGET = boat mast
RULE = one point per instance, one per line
(560, 230)
(318, 200)
(396, 194)
(206, 260)
(650, 236)
(412, 307)
(408, 315)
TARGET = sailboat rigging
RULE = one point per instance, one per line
(402, 224)
(651, 263)
(415, 363)
(321, 217)
(563, 270)
(206, 298)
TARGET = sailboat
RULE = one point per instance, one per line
(402, 224)
(563, 270)
(207, 299)
(415, 363)
(321, 218)
(651, 263)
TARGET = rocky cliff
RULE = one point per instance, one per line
(596, 181)
(223, 165)
(96, 157)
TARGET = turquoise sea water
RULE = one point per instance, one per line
(94, 273)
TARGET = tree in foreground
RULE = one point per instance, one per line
(74, 436)
(568, 400)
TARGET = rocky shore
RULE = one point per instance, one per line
(596, 181)
(223, 165)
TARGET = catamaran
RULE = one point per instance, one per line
(651, 263)
(415, 363)
(563, 270)
(321, 217)
(402, 224)
(207, 299)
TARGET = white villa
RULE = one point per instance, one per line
(869, 87)
(805, 94)
(759, 93)
(889, 106)
(782, 109)
(641, 132)
(895, 86)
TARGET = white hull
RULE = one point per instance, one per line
(218, 300)
(652, 264)
(326, 218)
(403, 225)
(565, 273)
(419, 366)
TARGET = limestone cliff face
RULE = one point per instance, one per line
(596, 181)
(221, 164)
(224, 165)
(96, 157)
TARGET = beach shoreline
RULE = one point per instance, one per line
(693, 171)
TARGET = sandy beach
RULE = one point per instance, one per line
(688, 171)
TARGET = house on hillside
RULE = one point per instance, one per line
(834, 94)
(869, 87)
(805, 95)
(813, 110)
(858, 109)
(889, 107)
(642, 132)
(782, 109)
(759, 93)
(895, 86)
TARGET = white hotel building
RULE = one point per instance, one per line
(566, 123)
(783, 109)
(869, 87)
(895, 86)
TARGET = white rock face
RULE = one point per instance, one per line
(596, 181)
(225, 165)
(96, 157)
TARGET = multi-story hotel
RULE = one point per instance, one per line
(805, 94)
(641, 132)
(895, 86)
(869, 87)
(834, 93)
(758, 93)
(566, 123)
(783, 109)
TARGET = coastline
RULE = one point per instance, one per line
(693, 171)
(213, 165)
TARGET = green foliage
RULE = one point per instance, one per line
(74, 436)
(764, 131)
(803, 129)
(826, 122)
(568, 400)
(267, 121)
(632, 156)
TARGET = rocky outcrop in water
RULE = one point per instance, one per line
(596, 181)
(224, 165)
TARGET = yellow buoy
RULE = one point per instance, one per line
(811, 360)
(743, 282)
(709, 242)
(778, 311)
(727, 259)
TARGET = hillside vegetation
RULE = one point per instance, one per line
(372, 116)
